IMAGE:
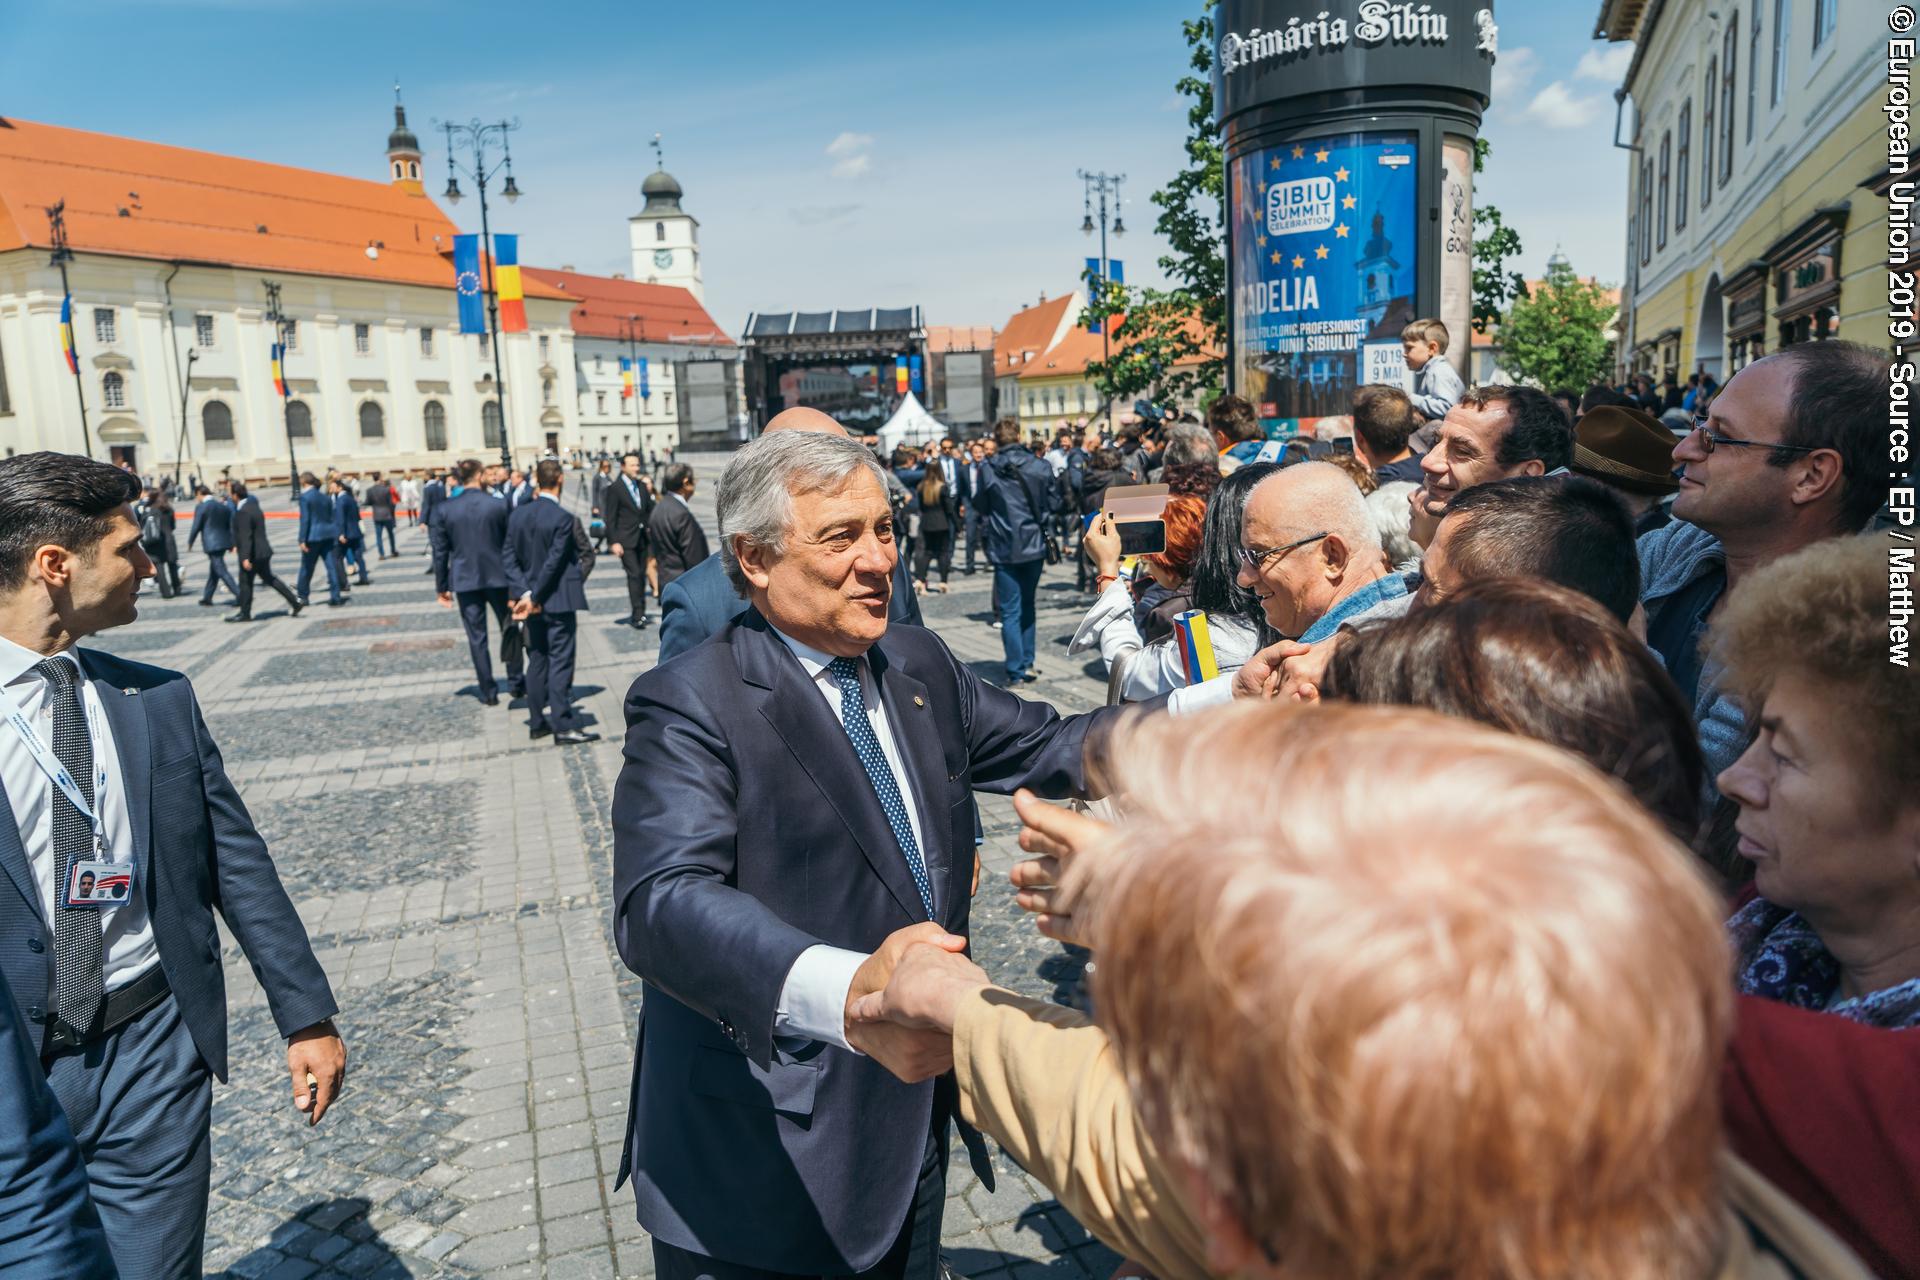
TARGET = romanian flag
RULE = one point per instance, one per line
(900, 375)
(626, 378)
(1195, 640)
(506, 283)
(66, 334)
(279, 374)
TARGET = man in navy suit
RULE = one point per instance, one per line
(469, 534)
(319, 540)
(548, 590)
(49, 1229)
(213, 525)
(353, 539)
(432, 494)
(794, 811)
(699, 602)
(110, 761)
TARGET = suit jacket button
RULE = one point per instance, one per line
(36, 1014)
(35, 945)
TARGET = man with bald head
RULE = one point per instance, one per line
(701, 601)
(1310, 551)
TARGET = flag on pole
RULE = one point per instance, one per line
(644, 393)
(900, 375)
(913, 374)
(626, 378)
(466, 283)
(506, 283)
(279, 373)
(66, 334)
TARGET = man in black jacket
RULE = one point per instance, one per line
(675, 541)
(1016, 501)
(629, 504)
(213, 525)
(548, 590)
(255, 552)
(381, 501)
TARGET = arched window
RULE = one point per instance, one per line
(1682, 166)
(436, 416)
(113, 389)
(490, 431)
(1666, 166)
(546, 390)
(373, 422)
(299, 420)
(216, 422)
(413, 170)
(1707, 108)
(1729, 98)
(659, 231)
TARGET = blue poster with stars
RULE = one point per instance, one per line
(1324, 260)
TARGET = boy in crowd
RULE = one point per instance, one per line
(1436, 387)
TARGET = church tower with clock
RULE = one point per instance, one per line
(665, 237)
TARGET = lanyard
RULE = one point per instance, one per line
(51, 766)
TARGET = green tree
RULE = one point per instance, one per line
(1188, 322)
(1557, 336)
(1493, 285)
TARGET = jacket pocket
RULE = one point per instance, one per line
(786, 1087)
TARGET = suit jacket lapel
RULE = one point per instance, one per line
(127, 714)
(918, 738)
(13, 856)
(800, 715)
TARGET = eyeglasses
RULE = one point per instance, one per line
(1255, 558)
(1712, 440)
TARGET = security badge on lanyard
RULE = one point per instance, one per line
(98, 882)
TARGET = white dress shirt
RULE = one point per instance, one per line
(813, 1001)
(130, 948)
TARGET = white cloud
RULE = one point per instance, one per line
(852, 154)
(1608, 65)
(1512, 72)
(1558, 107)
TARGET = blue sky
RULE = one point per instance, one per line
(849, 155)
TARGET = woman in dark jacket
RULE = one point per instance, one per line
(938, 512)
(158, 539)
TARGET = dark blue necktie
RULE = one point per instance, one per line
(853, 715)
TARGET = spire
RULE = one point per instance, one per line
(659, 157)
(403, 150)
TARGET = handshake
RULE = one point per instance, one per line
(903, 1002)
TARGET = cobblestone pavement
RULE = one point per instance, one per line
(455, 879)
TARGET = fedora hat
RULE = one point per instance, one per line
(1625, 448)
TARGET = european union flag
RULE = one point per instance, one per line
(466, 283)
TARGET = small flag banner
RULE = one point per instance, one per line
(913, 374)
(66, 334)
(1195, 639)
(899, 375)
(279, 372)
(466, 283)
(644, 393)
(506, 282)
(626, 378)
(1118, 274)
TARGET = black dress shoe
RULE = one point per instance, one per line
(335, 604)
(573, 737)
(293, 610)
(489, 699)
(206, 604)
(236, 617)
(542, 731)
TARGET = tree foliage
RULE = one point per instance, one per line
(1165, 326)
(1557, 336)
(1494, 287)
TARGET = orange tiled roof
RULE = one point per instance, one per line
(136, 199)
(1070, 356)
(1029, 329)
(972, 337)
(667, 313)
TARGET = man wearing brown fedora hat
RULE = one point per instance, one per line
(1629, 452)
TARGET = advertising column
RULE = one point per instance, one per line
(1348, 132)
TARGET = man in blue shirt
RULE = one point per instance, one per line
(319, 540)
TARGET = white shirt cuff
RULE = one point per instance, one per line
(813, 1001)
(1217, 692)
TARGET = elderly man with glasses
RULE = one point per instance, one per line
(1310, 551)
(1791, 451)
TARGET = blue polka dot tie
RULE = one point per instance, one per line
(853, 715)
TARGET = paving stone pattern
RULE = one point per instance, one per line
(455, 878)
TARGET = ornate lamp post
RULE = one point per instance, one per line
(1103, 185)
(478, 137)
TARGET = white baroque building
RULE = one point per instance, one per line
(171, 254)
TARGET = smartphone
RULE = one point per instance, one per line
(1137, 511)
(1142, 537)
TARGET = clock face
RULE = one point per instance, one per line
(663, 258)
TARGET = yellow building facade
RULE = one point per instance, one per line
(1757, 179)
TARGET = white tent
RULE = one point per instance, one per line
(910, 424)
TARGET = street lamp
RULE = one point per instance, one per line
(279, 321)
(478, 137)
(1103, 184)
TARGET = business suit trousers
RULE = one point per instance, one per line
(550, 655)
(634, 561)
(314, 554)
(217, 573)
(973, 522)
(385, 538)
(139, 1101)
(473, 616)
(915, 1254)
(262, 570)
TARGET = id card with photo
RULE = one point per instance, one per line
(99, 884)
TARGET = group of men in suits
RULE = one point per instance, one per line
(330, 532)
(116, 1004)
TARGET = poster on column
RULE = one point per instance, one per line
(1324, 264)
